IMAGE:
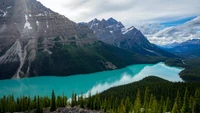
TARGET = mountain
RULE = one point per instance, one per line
(190, 48)
(113, 32)
(169, 45)
(35, 41)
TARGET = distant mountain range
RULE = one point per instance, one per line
(35, 41)
(113, 32)
(190, 48)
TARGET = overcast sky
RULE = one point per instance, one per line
(130, 12)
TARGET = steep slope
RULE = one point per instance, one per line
(190, 48)
(113, 32)
(35, 41)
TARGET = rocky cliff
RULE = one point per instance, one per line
(35, 41)
(114, 32)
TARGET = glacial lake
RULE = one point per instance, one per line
(84, 83)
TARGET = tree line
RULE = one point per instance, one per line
(148, 99)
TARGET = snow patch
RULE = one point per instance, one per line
(149, 50)
(124, 30)
(9, 7)
(5, 13)
(110, 26)
(94, 24)
(47, 23)
(183, 62)
(46, 50)
(27, 24)
(38, 23)
(40, 14)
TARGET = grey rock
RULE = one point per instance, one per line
(24, 22)
(113, 32)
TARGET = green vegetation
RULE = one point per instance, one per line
(191, 65)
(150, 95)
(8, 68)
(72, 59)
(53, 101)
(57, 39)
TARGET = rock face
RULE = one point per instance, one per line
(113, 32)
(35, 41)
(26, 23)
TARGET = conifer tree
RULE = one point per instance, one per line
(53, 101)
(191, 103)
(39, 109)
(89, 103)
(175, 108)
(177, 104)
(160, 106)
(146, 98)
(185, 107)
(154, 107)
(196, 103)
(128, 105)
(150, 104)
(137, 103)
(122, 108)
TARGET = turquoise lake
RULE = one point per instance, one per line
(84, 83)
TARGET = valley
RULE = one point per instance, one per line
(148, 62)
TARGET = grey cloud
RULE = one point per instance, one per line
(130, 12)
(136, 13)
(186, 31)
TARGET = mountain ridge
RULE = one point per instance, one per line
(114, 32)
(35, 41)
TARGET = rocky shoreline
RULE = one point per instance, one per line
(65, 110)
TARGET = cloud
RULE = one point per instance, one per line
(180, 33)
(130, 12)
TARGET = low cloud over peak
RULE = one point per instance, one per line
(137, 13)
(130, 12)
(180, 33)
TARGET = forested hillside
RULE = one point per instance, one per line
(191, 65)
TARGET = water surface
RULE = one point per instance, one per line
(82, 84)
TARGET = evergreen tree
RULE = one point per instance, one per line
(185, 107)
(81, 101)
(191, 100)
(150, 104)
(128, 105)
(177, 104)
(39, 107)
(154, 107)
(89, 103)
(137, 103)
(196, 103)
(53, 101)
(122, 108)
(146, 99)
(175, 108)
(160, 106)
